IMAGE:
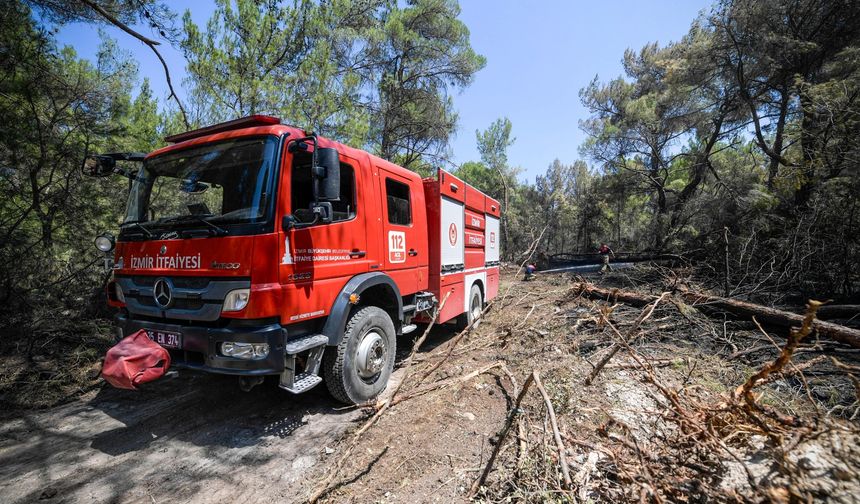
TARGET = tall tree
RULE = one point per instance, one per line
(555, 192)
(795, 66)
(373, 73)
(664, 123)
(493, 146)
(61, 107)
(265, 57)
(422, 53)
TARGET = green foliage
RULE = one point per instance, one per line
(153, 13)
(421, 51)
(748, 127)
(375, 74)
(62, 108)
(262, 57)
(748, 124)
(482, 177)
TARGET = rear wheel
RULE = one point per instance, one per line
(358, 370)
(476, 306)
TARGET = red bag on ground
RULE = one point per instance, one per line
(134, 360)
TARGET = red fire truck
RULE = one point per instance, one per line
(253, 248)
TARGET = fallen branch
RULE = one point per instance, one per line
(499, 300)
(838, 311)
(416, 346)
(445, 383)
(512, 414)
(453, 344)
(687, 421)
(850, 370)
(659, 363)
(618, 344)
(794, 338)
(562, 459)
(324, 486)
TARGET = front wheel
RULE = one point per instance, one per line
(358, 369)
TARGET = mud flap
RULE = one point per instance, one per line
(136, 359)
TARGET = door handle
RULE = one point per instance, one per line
(413, 252)
(355, 253)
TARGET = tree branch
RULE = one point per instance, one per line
(150, 43)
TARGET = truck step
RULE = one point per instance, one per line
(303, 383)
(305, 343)
(409, 308)
(408, 328)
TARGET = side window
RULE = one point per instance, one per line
(302, 191)
(397, 196)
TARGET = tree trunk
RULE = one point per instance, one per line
(807, 149)
(773, 168)
(742, 309)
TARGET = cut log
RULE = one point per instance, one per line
(741, 309)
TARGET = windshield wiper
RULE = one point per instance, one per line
(219, 231)
(140, 226)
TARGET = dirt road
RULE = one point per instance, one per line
(194, 437)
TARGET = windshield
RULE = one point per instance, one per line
(221, 183)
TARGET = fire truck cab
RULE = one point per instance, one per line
(252, 248)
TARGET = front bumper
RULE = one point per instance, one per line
(200, 346)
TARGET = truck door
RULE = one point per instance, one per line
(406, 243)
(311, 254)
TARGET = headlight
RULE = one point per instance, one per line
(236, 300)
(105, 242)
(248, 351)
(119, 295)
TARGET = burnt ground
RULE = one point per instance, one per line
(657, 424)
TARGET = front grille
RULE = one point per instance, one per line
(194, 298)
(181, 282)
(179, 304)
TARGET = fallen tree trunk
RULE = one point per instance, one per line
(828, 312)
(742, 309)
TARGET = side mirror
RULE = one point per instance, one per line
(328, 172)
(98, 166)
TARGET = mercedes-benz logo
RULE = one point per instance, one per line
(163, 249)
(162, 292)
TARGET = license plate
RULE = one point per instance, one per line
(167, 339)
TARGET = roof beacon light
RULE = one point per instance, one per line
(243, 122)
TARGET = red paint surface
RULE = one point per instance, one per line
(475, 199)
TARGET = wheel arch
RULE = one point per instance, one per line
(480, 283)
(374, 289)
(478, 278)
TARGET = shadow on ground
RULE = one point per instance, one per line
(177, 433)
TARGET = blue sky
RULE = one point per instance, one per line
(538, 58)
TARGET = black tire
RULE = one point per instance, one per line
(342, 372)
(476, 306)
